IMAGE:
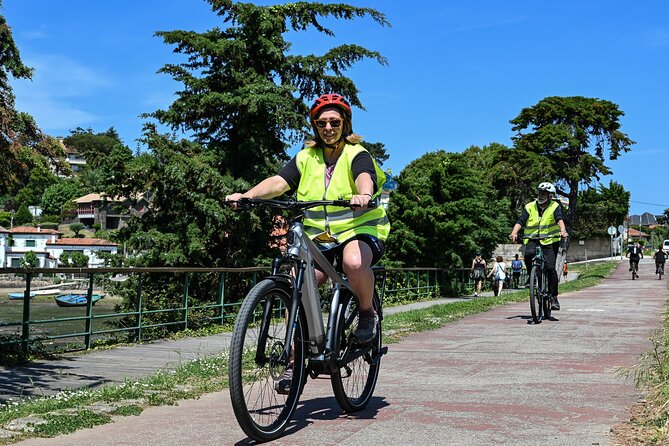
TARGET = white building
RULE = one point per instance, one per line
(4, 235)
(26, 238)
(48, 244)
(90, 247)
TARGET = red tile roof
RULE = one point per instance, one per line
(75, 241)
(31, 230)
(636, 233)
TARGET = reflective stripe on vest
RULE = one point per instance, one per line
(340, 223)
(544, 228)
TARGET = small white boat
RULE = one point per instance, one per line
(49, 292)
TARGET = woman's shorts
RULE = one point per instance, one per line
(377, 246)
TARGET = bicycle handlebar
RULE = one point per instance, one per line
(248, 203)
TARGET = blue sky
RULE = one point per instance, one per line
(458, 71)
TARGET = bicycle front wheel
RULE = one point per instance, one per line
(258, 340)
(354, 382)
(536, 305)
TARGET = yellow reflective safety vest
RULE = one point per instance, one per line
(544, 228)
(337, 223)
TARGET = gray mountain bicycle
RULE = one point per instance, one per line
(540, 303)
(281, 335)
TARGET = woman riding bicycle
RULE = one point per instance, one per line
(544, 225)
(332, 166)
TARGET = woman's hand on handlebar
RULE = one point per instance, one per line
(361, 201)
(233, 200)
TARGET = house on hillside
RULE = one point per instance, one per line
(91, 247)
(75, 159)
(109, 212)
(23, 239)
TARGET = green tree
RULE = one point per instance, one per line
(600, 208)
(512, 173)
(56, 195)
(573, 135)
(94, 147)
(77, 228)
(243, 102)
(14, 126)
(30, 260)
(442, 212)
(243, 91)
(78, 259)
(23, 216)
(377, 150)
(38, 177)
(64, 258)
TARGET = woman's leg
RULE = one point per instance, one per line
(357, 262)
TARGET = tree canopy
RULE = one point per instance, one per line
(573, 135)
(242, 103)
(244, 93)
(14, 126)
(442, 212)
(600, 208)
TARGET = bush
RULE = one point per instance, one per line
(48, 225)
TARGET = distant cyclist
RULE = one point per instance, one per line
(660, 257)
(634, 252)
(544, 225)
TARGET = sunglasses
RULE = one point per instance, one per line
(322, 123)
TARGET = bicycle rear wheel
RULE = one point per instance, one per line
(536, 305)
(257, 343)
(353, 384)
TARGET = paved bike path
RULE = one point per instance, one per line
(490, 378)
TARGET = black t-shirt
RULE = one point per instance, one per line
(660, 256)
(634, 252)
(361, 163)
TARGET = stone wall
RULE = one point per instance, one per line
(592, 248)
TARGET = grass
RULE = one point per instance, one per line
(650, 419)
(72, 410)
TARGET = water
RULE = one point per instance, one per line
(44, 308)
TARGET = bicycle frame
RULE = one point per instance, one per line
(302, 254)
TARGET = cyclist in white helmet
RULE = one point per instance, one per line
(544, 224)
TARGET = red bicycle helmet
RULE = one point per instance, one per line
(326, 100)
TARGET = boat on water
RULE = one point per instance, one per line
(75, 300)
(20, 295)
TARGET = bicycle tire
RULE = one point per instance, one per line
(535, 295)
(354, 383)
(545, 301)
(263, 413)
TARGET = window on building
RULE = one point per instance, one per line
(30, 243)
(16, 263)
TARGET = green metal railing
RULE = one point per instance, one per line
(133, 322)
